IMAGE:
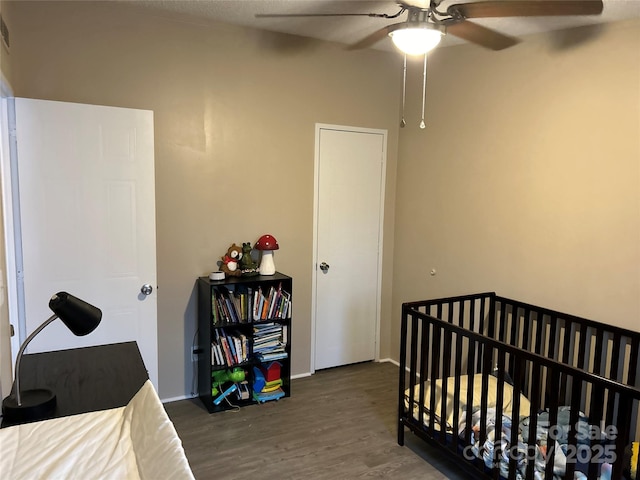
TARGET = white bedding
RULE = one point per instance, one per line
(137, 441)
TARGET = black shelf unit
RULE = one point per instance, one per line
(209, 325)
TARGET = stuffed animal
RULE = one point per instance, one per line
(248, 266)
(230, 261)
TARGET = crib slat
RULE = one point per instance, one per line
(525, 331)
(613, 373)
(515, 413)
(576, 395)
(597, 359)
(497, 445)
(539, 322)
(435, 367)
(503, 321)
(632, 378)
(456, 398)
(553, 329)
(402, 373)
(446, 366)
(623, 434)
(583, 360)
(424, 368)
(533, 418)
(597, 404)
(566, 347)
(413, 362)
(472, 315)
(481, 331)
(554, 377)
(486, 368)
(470, 371)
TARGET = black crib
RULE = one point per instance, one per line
(519, 391)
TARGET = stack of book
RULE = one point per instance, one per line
(269, 341)
(229, 349)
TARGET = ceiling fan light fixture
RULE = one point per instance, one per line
(416, 39)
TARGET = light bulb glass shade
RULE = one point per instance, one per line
(416, 40)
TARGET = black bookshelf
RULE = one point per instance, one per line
(234, 309)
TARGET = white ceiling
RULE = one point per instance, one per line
(351, 29)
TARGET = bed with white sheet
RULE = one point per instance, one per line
(137, 441)
(108, 423)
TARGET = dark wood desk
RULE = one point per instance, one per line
(86, 379)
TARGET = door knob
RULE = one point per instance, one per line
(146, 289)
(324, 267)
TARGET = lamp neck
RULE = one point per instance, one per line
(21, 351)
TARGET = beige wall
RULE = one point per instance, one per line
(235, 111)
(5, 57)
(527, 179)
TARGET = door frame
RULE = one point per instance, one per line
(9, 214)
(316, 205)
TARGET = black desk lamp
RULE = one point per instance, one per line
(79, 317)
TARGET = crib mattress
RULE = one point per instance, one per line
(477, 395)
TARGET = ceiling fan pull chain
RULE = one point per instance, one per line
(424, 90)
(404, 90)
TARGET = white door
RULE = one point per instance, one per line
(350, 190)
(87, 220)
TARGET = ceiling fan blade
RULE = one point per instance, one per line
(480, 35)
(527, 8)
(285, 15)
(375, 37)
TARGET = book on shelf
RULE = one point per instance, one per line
(275, 304)
(229, 349)
(267, 357)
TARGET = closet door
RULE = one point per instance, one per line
(350, 193)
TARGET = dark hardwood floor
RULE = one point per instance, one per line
(338, 424)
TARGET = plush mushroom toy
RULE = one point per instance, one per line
(267, 244)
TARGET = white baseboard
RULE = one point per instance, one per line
(300, 375)
(389, 360)
(176, 399)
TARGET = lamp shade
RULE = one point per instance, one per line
(79, 316)
(416, 39)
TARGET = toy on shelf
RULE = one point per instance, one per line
(220, 377)
(267, 384)
(230, 261)
(224, 394)
(248, 266)
(267, 244)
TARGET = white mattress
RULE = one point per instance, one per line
(137, 441)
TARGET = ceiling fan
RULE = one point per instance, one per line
(425, 26)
